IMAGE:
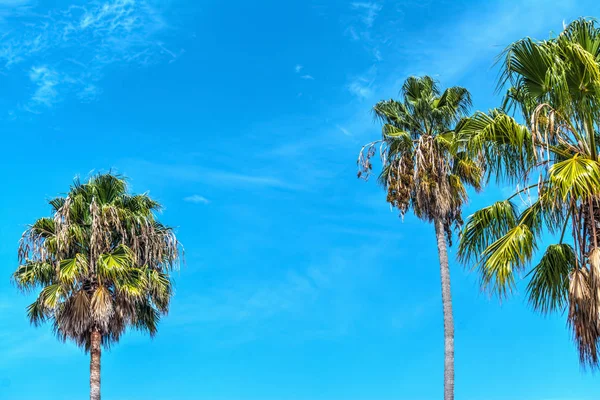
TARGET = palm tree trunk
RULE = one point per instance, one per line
(95, 366)
(448, 318)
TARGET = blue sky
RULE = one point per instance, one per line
(245, 119)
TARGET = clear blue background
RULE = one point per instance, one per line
(245, 119)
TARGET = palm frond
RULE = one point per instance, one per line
(507, 255)
(576, 177)
(548, 288)
(484, 227)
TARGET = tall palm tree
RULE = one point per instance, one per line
(554, 85)
(102, 262)
(423, 169)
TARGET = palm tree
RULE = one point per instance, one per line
(102, 262)
(422, 169)
(553, 160)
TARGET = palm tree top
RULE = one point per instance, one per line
(101, 262)
(423, 166)
(423, 108)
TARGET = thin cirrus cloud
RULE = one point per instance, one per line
(310, 295)
(362, 86)
(361, 27)
(368, 11)
(214, 177)
(46, 80)
(197, 199)
(65, 51)
(344, 130)
(307, 77)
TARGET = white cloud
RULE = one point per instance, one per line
(89, 93)
(362, 86)
(298, 68)
(377, 54)
(46, 81)
(196, 198)
(77, 43)
(360, 89)
(368, 10)
(344, 130)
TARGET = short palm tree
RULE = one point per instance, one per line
(102, 262)
(423, 169)
(553, 159)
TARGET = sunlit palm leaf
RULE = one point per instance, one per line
(485, 227)
(577, 177)
(509, 254)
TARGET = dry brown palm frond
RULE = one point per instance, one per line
(583, 317)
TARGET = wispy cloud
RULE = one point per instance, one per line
(322, 296)
(360, 88)
(298, 69)
(196, 198)
(46, 81)
(368, 11)
(359, 26)
(362, 85)
(214, 177)
(77, 43)
(344, 130)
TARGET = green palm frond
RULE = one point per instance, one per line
(37, 312)
(548, 289)
(500, 260)
(576, 177)
(34, 274)
(484, 227)
(108, 187)
(71, 269)
(454, 103)
(52, 295)
(160, 288)
(505, 145)
(468, 171)
(116, 265)
(146, 318)
(44, 227)
(57, 203)
(526, 65)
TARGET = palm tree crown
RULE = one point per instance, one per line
(102, 262)
(555, 86)
(421, 165)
